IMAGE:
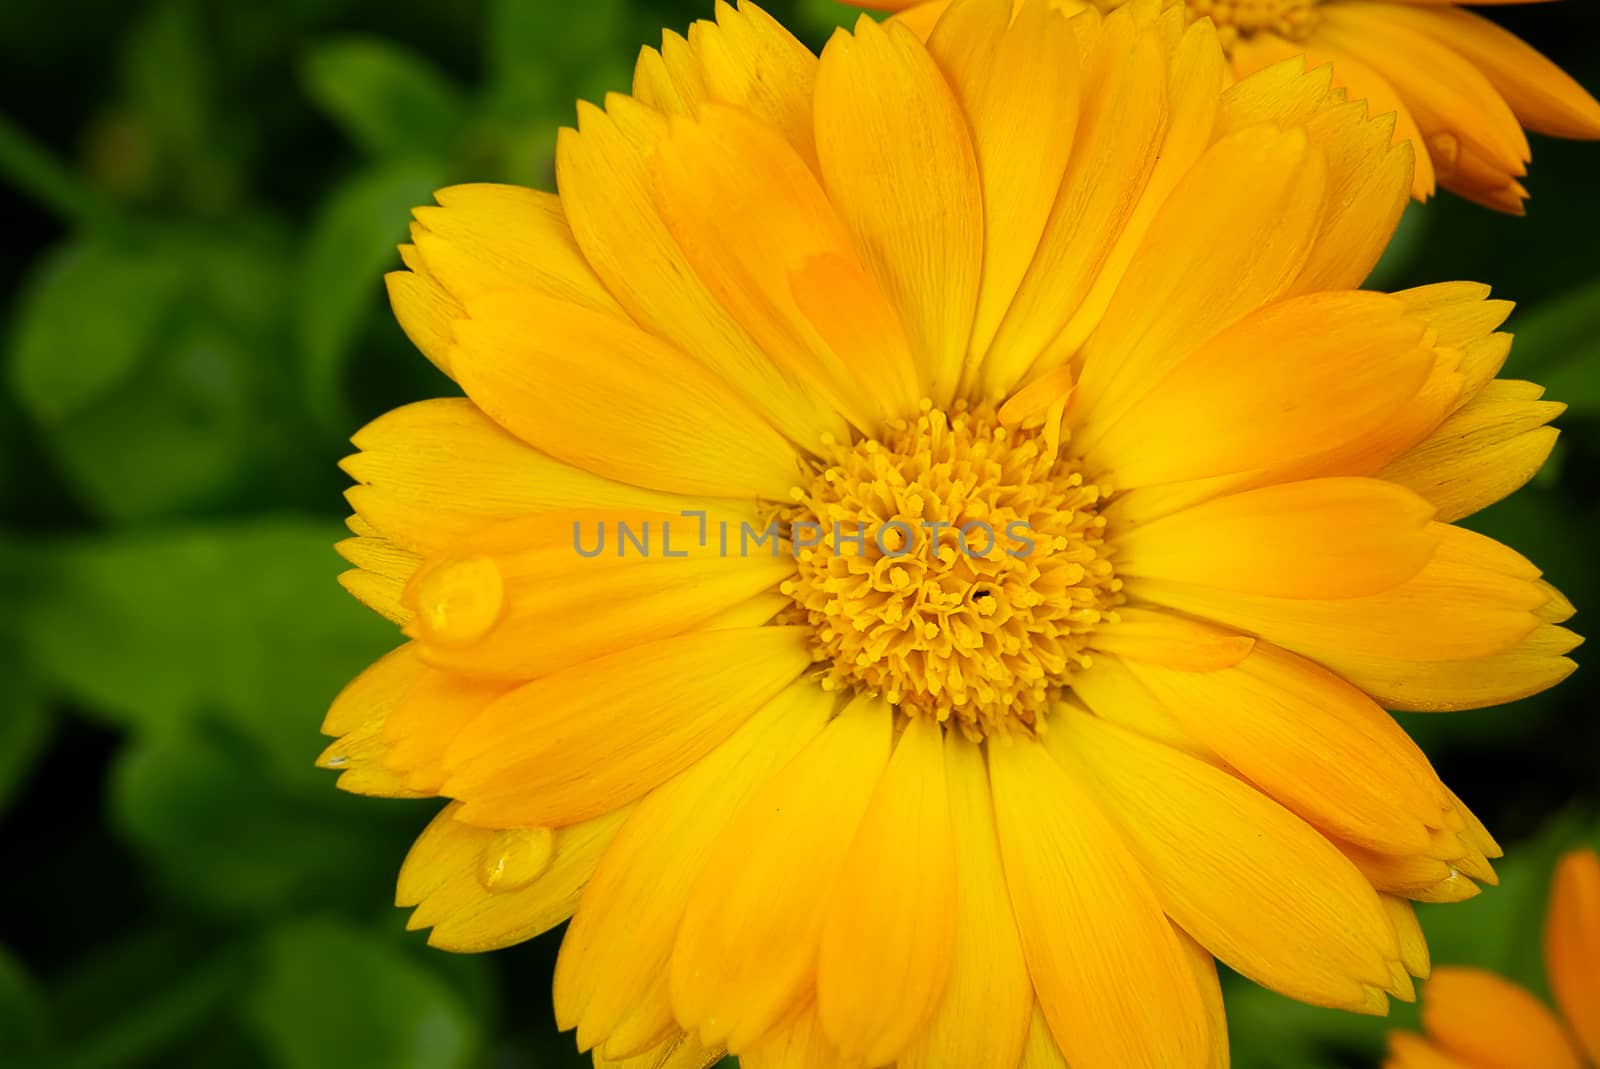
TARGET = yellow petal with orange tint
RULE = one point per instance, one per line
(1413, 945)
(1234, 235)
(603, 169)
(382, 570)
(585, 740)
(1318, 538)
(753, 221)
(1040, 1051)
(1258, 887)
(1237, 403)
(898, 161)
(1407, 1051)
(459, 879)
(745, 58)
(1018, 83)
(887, 941)
(554, 373)
(746, 955)
(1118, 139)
(982, 1019)
(620, 941)
(1543, 96)
(1112, 978)
(1488, 1021)
(1572, 946)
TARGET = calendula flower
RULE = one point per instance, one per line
(1461, 87)
(925, 544)
(1477, 1020)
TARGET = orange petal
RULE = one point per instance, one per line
(1572, 946)
(1490, 1022)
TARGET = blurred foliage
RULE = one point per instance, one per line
(194, 322)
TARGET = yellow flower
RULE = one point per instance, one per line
(924, 545)
(1477, 1020)
(1461, 87)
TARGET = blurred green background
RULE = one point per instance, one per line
(203, 196)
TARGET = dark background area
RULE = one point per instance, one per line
(202, 198)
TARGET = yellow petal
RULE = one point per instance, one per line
(427, 717)
(1041, 1051)
(1114, 982)
(489, 237)
(1466, 603)
(357, 716)
(745, 58)
(758, 229)
(898, 161)
(427, 313)
(1111, 690)
(1284, 81)
(382, 570)
(1234, 235)
(680, 1052)
(1312, 742)
(1235, 404)
(1413, 945)
(585, 740)
(746, 954)
(552, 373)
(434, 471)
(1572, 946)
(1018, 83)
(888, 938)
(1118, 139)
(603, 170)
(1259, 888)
(982, 1019)
(1319, 538)
(1483, 452)
(800, 1043)
(1490, 1022)
(450, 876)
(1140, 634)
(1195, 77)
(620, 941)
(528, 596)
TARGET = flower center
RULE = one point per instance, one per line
(955, 566)
(1236, 19)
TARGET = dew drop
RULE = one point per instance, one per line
(514, 858)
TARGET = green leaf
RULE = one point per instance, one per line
(390, 101)
(1558, 346)
(138, 998)
(89, 314)
(26, 722)
(222, 833)
(247, 620)
(147, 367)
(333, 997)
(25, 1025)
(350, 246)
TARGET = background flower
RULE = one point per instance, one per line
(190, 338)
(1462, 86)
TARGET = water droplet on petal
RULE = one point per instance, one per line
(514, 858)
